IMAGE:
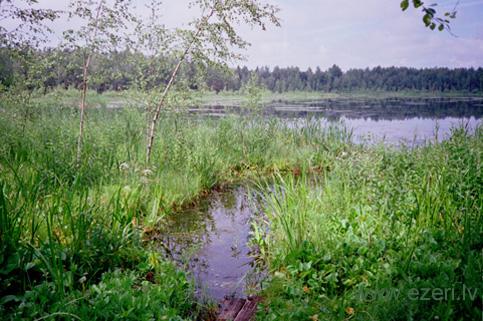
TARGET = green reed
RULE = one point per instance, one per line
(380, 220)
(63, 226)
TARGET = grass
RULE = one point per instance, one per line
(73, 238)
(381, 236)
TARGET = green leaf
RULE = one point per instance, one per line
(441, 27)
(427, 19)
(417, 3)
(404, 4)
(9, 298)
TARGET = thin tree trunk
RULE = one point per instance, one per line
(152, 127)
(85, 80)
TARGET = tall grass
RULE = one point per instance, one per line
(381, 221)
(65, 230)
(71, 237)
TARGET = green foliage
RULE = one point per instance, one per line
(101, 25)
(135, 72)
(29, 25)
(253, 91)
(64, 229)
(380, 220)
(118, 296)
(430, 18)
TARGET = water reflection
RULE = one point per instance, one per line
(376, 109)
(412, 131)
(393, 120)
(382, 109)
(212, 239)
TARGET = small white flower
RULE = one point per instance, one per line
(147, 172)
(124, 167)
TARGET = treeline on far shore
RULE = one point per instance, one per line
(134, 70)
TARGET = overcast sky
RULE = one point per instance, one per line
(367, 33)
(352, 34)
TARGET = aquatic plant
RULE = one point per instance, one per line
(387, 234)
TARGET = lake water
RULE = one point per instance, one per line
(392, 120)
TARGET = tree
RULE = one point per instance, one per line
(254, 92)
(28, 25)
(24, 29)
(213, 38)
(101, 31)
(334, 73)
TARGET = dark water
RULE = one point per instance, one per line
(212, 239)
(393, 120)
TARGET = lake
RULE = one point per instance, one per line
(391, 120)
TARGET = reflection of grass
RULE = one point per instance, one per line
(380, 219)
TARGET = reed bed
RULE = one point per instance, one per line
(72, 237)
(384, 234)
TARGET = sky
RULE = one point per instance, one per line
(349, 33)
(368, 33)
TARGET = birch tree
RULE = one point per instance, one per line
(214, 38)
(103, 28)
(22, 25)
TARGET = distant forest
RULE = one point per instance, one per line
(125, 70)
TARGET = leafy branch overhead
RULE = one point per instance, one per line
(29, 25)
(214, 39)
(103, 24)
(431, 19)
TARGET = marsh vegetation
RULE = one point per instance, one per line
(142, 178)
(336, 217)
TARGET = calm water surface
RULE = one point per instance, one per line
(212, 240)
(392, 120)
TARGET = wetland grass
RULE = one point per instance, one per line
(379, 237)
(71, 242)
(73, 246)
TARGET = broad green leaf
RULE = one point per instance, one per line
(417, 3)
(404, 4)
(427, 19)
